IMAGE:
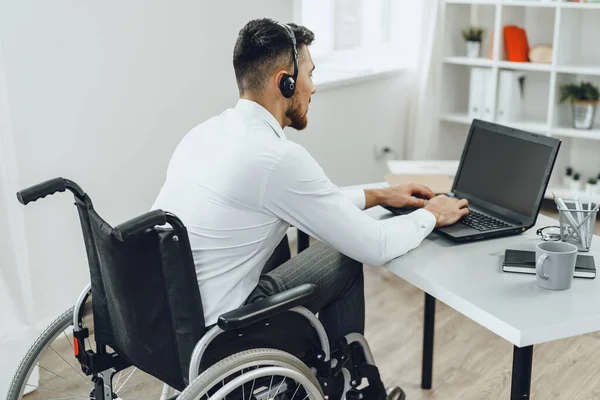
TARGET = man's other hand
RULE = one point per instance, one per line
(447, 210)
(410, 195)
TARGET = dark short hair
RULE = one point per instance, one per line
(263, 45)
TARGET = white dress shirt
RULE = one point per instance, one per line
(237, 183)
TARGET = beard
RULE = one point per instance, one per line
(297, 117)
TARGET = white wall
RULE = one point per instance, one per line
(345, 124)
(101, 92)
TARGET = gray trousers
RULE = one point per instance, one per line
(340, 299)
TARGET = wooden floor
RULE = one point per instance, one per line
(470, 363)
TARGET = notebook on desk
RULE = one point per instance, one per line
(523, 261)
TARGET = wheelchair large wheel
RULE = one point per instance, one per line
(60, 375)
(257, 374)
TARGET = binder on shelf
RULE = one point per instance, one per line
(510, 96)
(488, 96)
(481, 94)
(476, 93)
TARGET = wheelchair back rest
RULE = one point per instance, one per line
(145, 296)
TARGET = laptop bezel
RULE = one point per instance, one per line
(508, 215)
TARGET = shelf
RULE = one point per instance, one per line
(529, 126)
(568, 194)
(524, 66)
(475, 62)
(485, 2)
(531, 3)
(457, 118)
(593, 134)
(579, 70)
(580, 5)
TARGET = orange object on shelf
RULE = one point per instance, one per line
(516, 44)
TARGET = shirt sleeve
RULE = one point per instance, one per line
(299, 192)
(356, 196)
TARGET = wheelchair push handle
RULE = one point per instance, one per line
(49, 187)
(138, 225)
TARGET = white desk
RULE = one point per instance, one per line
(469, 278)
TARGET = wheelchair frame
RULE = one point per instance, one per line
(102, 365)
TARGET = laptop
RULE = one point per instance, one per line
(503, 173)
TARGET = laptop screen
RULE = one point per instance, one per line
(504, 170)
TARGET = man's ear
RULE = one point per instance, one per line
(279, 76)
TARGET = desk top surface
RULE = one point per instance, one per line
(469, 278)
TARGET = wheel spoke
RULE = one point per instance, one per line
(297, 387)
(270, 385)
(281, 384)
(243, 386)
(53, 373)
(57, 391)
(142, 397)
(69, 364)
(126, 380)
(68, 340)
(125, 389)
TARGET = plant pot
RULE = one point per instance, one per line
(473, 49)
(583, 114)
(567, 181)
(574, 185)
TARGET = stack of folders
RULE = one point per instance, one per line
(510, 95)
(524, 262)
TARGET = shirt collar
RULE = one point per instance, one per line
(258, 111)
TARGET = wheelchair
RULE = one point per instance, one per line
(137, 331)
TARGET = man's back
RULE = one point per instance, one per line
(215, 183)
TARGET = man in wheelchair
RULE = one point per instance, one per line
(203, 297)
(237, 183)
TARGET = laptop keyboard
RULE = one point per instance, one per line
(482, 222)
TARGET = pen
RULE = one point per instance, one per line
(561, 205)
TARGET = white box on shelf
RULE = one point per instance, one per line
(510, 96)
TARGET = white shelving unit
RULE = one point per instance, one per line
(573, 31)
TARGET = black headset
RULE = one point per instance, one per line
(287, 84)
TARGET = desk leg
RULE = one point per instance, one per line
(303, 241)
(428, 328)
(521, 373)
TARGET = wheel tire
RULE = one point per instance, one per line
(30, 360)
(236, 361)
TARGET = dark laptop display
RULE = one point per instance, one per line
(503, 173)
(506, 170)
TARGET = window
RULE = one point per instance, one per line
(361, 37)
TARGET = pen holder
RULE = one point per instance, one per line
(577, 227)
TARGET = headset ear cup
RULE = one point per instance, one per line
(287, 85)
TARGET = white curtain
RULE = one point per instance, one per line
(17, 319)
(421, 128)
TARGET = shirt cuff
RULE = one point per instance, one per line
(356, 196)
(426, 221)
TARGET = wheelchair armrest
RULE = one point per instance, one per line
(267, 307)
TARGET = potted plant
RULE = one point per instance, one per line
(591, 185)
(575, 184)
(584, 100)
(473, 36)
(568, 177)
